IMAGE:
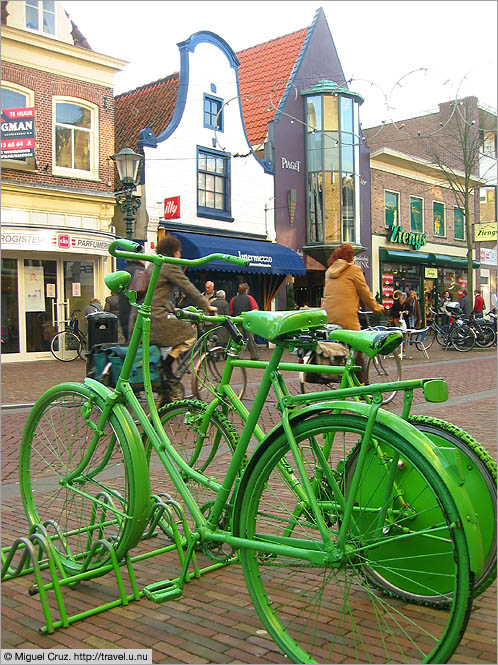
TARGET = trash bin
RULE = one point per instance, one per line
(102, 329)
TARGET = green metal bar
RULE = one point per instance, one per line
(357, 476)
(245, 437)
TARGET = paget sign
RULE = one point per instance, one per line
(172, 207)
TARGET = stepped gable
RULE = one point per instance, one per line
(264, 72)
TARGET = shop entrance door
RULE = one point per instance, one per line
(55, 291)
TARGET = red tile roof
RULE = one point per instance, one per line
(263, 74)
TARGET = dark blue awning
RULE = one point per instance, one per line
(265, 257)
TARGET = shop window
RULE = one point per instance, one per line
(213, 114)
(9, 307)
(40, 16)
(213, 184)
(438, 215)
(75, 139)
(391, 209)
(416, 214)
(458, 224)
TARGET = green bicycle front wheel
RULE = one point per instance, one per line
(109, 498)
(402, 526)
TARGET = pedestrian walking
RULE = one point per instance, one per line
(464, 303)
(209, 291)
(478, 305)
(445, 317)
(243, 302)
(221, 304)
(414, 313)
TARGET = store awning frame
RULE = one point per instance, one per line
(424, 258)
(267, 258)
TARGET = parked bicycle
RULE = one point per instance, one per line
(380, 368)
(458, 335)
(70, 343)
(485, 330)
(344, 516)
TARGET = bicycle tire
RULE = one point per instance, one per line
(55, 440)
(442, 339)
(207, 373)
(314, 612)
(429, 339)
(66, 346)
(462, 338)
(485, 336)
(480, 483)
(384, 369)
(207, 452)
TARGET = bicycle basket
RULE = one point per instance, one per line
(107, 365)
(327, 353)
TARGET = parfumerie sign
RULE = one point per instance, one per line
(18, 133)
(46, 241)
(397, 235)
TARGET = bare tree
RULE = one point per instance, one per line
(456, 151)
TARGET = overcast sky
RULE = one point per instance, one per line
(415, 54)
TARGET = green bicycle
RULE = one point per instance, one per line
(338, 498)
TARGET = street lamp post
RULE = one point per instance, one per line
(127, 163)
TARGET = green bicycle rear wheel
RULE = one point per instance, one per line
(109, 498)
(332, 613)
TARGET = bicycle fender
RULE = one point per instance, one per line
(444, 464)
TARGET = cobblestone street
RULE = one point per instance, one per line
(214, 621)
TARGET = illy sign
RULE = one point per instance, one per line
(172, 208)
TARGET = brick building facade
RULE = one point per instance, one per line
(57, 195)
(418, 223)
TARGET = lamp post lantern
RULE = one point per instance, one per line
(127, 163)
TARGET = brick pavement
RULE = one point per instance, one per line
(214, 621)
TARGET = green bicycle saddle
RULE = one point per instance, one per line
(274, 325)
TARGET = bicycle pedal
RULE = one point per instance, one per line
(160, 592)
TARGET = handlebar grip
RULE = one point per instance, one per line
(236, 260)
(189, 315)
(125, 246)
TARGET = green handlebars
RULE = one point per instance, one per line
(127, 249)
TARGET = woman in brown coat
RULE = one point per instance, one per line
(345, 287)
(168, 331)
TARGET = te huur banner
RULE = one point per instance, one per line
(485, 232)
(18, 133)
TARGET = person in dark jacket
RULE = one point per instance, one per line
(222, 306)
(166, 330)
(124, 304)
(243, 302)
(414, 313)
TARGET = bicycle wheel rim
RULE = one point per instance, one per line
(109, 499)
(485, 337)
(462, 338)
(384, 369)
(66, 346)
(207, 374)
(430, 336)
(333, 615)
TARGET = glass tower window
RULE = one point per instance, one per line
(332, 163)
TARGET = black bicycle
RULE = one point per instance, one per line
(70, 343)
(458, 334)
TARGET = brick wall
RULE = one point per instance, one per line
(45, 86)
(406, 187)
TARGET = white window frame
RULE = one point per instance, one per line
(93, 173)
(40, 30)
